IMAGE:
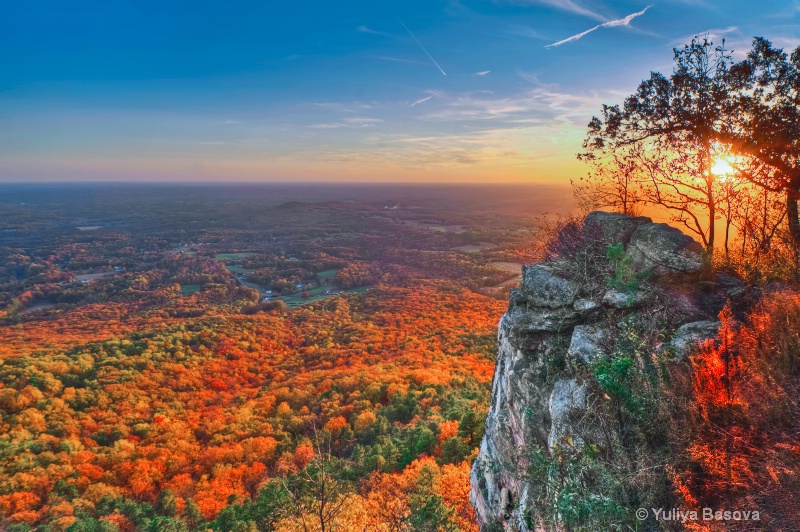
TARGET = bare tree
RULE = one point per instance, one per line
(318, 493)
(615, 185)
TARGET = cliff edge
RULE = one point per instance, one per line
(574, 436)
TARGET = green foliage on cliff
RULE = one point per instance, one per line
(626, 277)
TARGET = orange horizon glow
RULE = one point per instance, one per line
(69, 169)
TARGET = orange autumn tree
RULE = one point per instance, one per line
(743, 449)
(215, 410)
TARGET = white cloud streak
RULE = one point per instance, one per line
(569, 6)
(399, 60)
(610, 24)
(421, 100)
(525, 31)
(423, 49)
(366, 29)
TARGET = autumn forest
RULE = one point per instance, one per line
(252, 358)
(320, 357)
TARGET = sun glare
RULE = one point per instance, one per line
(722, 167)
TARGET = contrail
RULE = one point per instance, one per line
(423, 48)
(610, 24)
(423, 100)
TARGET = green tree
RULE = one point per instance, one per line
(670, 130)
(192, 515)
(92, 525)
(166, 504)
(263, 512)
(454, 450)
(767, 125)
(471, 427)
(428, 511)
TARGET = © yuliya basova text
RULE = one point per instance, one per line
(704, 514)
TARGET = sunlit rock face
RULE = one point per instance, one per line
(665, 249)
(556, 322)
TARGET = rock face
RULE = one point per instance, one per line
(567, 400)
(665, 249)
(587, 342)
(543, 289)
(556, 320)
(615, 227)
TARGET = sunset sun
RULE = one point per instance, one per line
(722, 166)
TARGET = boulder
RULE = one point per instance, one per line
(505, 501)
(665, 250)
(587, 342)
(734, 287)
(567, 402)
(616, 227)
(621, 300)
(585, 306)
(687, 336)
(542, 288)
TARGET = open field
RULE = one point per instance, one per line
(189, 289)
(232, 256)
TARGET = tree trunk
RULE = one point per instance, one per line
(792, 198)
(712, 216)
(728, 222)
(711, 200)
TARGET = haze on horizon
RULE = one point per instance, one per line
(435, 91)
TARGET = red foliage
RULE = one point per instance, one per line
(201, 406)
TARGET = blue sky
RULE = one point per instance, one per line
(334, 91)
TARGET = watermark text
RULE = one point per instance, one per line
(703, 514)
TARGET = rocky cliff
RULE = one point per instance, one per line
(583, 349)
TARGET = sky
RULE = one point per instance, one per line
(347, 90)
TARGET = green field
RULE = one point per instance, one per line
(232, 256)
(317, 291)
(294, 302)
(327, 273)
(317, 294)
(189, 289)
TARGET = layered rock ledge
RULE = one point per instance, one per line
(561, 319)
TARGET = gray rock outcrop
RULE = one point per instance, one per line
(542, 288)
(687, 337)
(587, 342)
(556, 325)
(665, 250)
(568, 400)
(615, 227)
(618, 299)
